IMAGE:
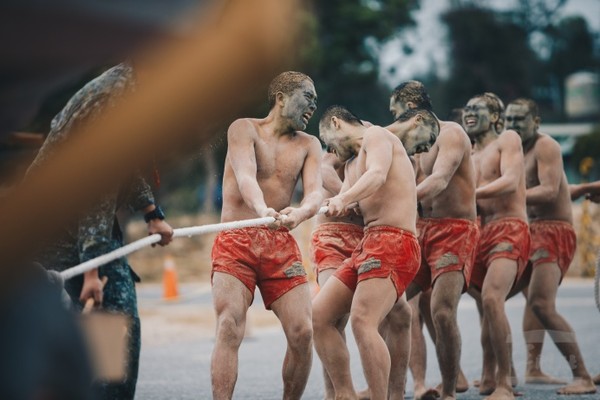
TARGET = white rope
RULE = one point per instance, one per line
(152, 239)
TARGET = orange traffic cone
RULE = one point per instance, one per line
(170, 291)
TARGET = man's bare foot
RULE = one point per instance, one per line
(419, 390)
(364, 394)
(501, 393)
(541, 378)
(430, 394)
(462, 383)
(596, 379)
(487, 386)
(578, 386)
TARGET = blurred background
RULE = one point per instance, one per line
(357, 52)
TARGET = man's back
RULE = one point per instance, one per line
(395, 202)
(451, 151)
(544, 161)
(279, 162)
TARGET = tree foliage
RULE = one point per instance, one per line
(343, 59)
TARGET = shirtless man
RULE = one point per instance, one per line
(380, 178)
(553, 245)
(448, 232)
(333, 240)
(265, 158)
(504, 244)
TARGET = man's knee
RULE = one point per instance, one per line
(230, 330)
(443, 316)
(541, 306)
(301, 336)
(400, 317)
(491, 301)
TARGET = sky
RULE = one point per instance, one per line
(429, 32)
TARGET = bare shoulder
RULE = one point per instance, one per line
(376, 131)
(453, 133)
(307, 140)
(547, 144)
(246, 127)
(509, 138)
(451, 127)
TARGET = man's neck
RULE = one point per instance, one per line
(485, 138)
(529, 144)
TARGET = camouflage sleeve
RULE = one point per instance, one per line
(95, 229)
(139, 195)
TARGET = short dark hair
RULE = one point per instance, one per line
(286, 82)
(427, 115)
(340, 112)
(529, 103)
(413, 91)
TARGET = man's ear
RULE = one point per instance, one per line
(418, 119)
(279, 98)
(494, 117)
(410, 105)
(335, 122)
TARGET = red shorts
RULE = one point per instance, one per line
(269, 259)
(384, 252)
(447, 244)
(552, 242)
(332, 243)
(504, 238)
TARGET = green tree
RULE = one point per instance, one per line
(343, 54)
(488, 52)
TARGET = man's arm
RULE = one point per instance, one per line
(242, 156)
(379, 154)
(331, 180)
(549, 171)
(590, 189)
(311, 187)
(450, 154)
(511, 168)
(94, 238)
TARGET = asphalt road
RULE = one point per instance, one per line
(177, 344)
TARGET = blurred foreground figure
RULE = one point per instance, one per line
(265, 158)
(52, 44)
(97, 231)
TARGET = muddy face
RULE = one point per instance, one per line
(476, 117)
(519, 119)
(396, 108)
(419, 139)
(300, 106)
(338, 143)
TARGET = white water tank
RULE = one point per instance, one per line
(582, 95)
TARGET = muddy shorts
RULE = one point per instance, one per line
(384, 252)
(332, 243)
(447, 244)
(552, 242)
(504, 238)
(269, 259)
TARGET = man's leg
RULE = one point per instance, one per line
(500, 277)
(231, 299)
(487, 383)
(322, 278)
(545, 279)
(330, 306)
(373, 300)
(444, 304)
(534, 332)
(398, 341)
(418, 349)
(294, 310)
